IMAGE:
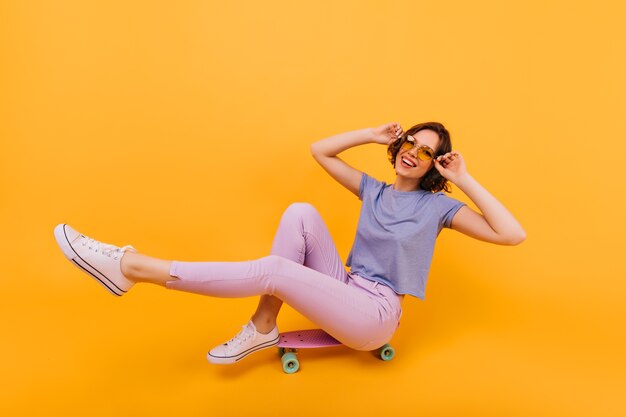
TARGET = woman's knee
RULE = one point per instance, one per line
(300, 210)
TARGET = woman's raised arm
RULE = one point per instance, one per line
(496, 224)
(325, 152)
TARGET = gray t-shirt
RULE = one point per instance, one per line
(395, 236)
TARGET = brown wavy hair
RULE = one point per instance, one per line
(431, 181)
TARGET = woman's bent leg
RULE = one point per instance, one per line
(349, 313)
(301, 237)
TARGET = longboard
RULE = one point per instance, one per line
(290, 342)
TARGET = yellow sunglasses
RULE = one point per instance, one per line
(424, 153)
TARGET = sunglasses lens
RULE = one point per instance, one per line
(425, 154)
(406, 145)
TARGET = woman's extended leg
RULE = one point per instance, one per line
(357, 317)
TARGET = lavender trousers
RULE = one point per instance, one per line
(305, 271)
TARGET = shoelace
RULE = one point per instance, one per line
(241, 337)
(105, 248)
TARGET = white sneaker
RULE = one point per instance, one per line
(100, 260)
(245, 342)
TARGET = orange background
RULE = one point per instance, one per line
(183, 128)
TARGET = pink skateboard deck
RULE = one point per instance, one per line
(290, 342)
(311, 338)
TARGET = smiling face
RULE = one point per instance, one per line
(408, 165)
(423, 175)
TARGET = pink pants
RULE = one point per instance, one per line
(305, 271)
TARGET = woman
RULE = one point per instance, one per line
(390, 257)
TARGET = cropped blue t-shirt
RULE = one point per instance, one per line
(396, 232)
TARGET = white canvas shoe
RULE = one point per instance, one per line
(247, 341)
(100, 260)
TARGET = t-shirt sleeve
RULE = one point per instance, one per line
(448, 207)
(367, 185)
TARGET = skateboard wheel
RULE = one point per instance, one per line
(281, 351)
(386, 352)
(290, 362)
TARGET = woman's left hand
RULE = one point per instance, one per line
(451, 166)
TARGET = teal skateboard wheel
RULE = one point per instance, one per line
(290, 362)
(386, 352)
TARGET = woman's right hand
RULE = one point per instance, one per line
(387, 133)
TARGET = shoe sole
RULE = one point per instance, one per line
(70, 253)
(226, 360)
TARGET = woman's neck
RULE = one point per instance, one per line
(405, 184)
